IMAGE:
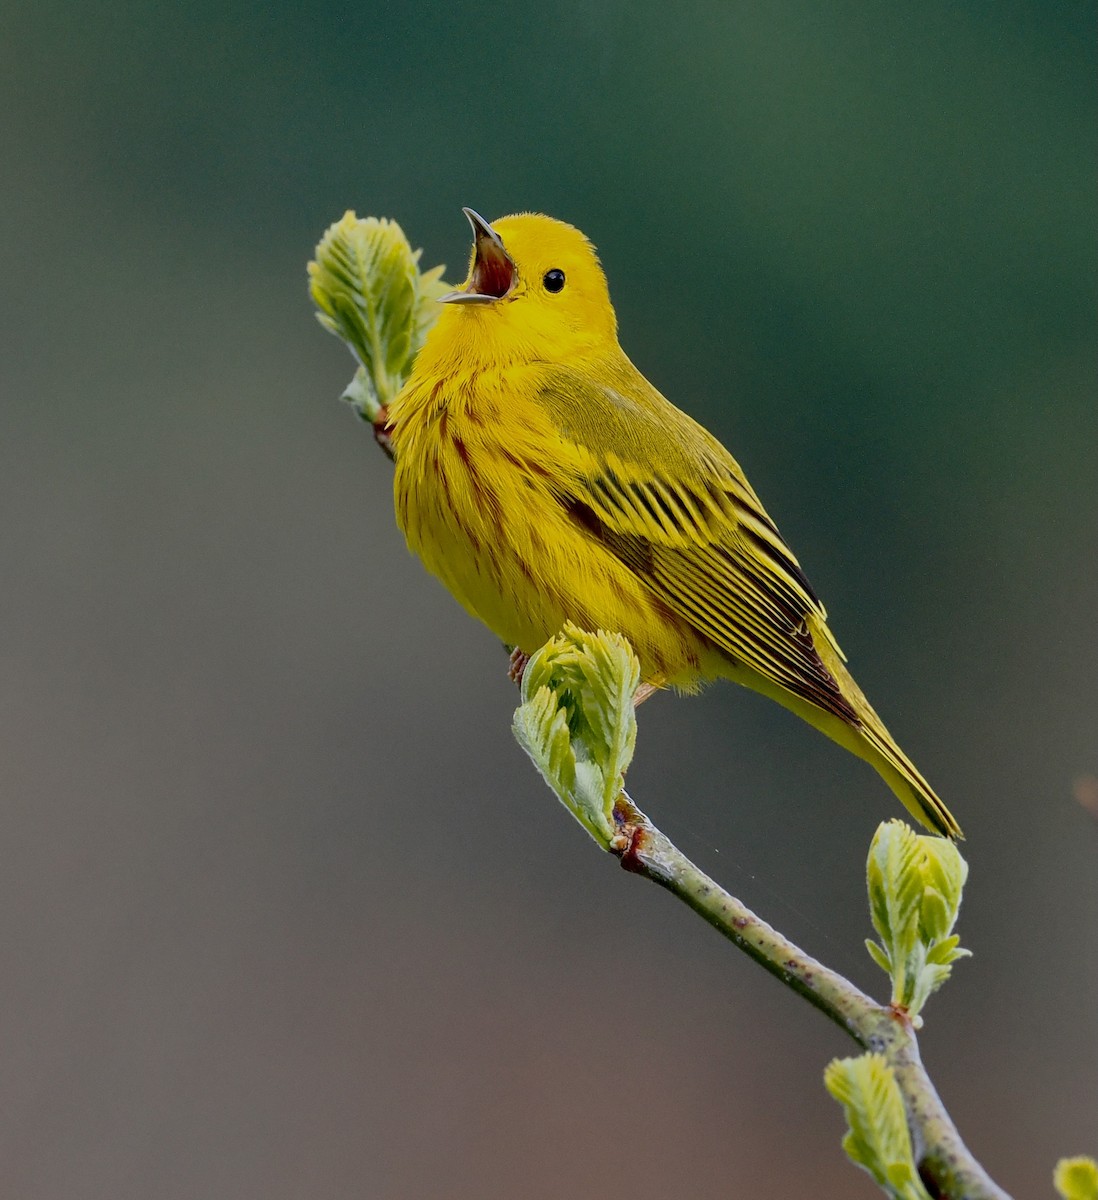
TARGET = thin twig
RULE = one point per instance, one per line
(948, 1169)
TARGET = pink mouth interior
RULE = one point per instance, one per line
(493, 271)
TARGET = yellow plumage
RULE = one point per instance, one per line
(543, 479)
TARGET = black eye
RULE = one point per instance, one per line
(553, 280)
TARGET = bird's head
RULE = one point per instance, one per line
(535, 290)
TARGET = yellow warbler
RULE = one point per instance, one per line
(543, 479)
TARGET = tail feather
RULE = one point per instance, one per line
(880, 750)
(855, 726)
(912, 790)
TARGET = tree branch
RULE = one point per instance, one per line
(946, 1166)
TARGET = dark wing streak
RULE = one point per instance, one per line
(689, 526)
(784, 565)
(756, 616)
(652, 565)
(734, 610)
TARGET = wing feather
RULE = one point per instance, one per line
(665, 497)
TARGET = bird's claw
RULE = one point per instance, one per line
(517, 665)
(643, 692)
(382, 434)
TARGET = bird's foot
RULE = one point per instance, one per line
(381, 430)
(517, 666)
(643, 692)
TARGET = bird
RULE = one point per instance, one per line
(544, 480)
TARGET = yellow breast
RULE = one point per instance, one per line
(480, 475)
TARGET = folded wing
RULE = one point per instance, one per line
(664, 496)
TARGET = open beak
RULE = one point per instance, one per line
(494, 272)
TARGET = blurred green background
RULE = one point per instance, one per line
(285, 912)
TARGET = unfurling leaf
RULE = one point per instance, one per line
(915, 884)
(577, 722)
(1076, 1178)
(878, 1137)
(944, 874)
(369, 290)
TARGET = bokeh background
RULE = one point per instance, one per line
(283, 910)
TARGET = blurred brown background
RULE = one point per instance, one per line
(283, 911)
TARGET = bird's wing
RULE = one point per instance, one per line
(664, 496)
